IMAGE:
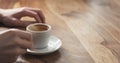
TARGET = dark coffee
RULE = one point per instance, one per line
(39, 28)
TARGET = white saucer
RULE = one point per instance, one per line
(53, 45)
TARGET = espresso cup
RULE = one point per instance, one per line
(40, 33)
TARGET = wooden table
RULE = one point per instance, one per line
(89, 29)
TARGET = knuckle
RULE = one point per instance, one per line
(24, 8)
(39, 10)
(35, 14)
(12, 31)
(15, 41)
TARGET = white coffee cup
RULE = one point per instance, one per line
(40, 33)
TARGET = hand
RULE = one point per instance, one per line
(13, 42)
(11, 17)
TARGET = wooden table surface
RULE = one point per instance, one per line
(89, 29)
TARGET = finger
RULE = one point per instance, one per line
(22, 43)
(15, 51)
(24, 23)
(31, 14)
(20, 51)
(22, 34)
(40, 13)
(13, 22)
(17, 23)
(12, 50)
(8, 21)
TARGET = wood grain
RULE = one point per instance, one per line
(89, 29)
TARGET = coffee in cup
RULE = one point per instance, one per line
(40, 33)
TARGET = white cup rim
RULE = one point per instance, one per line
(49, 27)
